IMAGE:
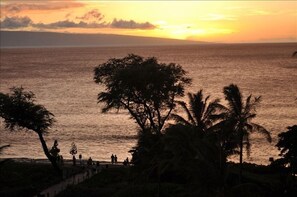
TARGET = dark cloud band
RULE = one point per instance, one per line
(23, 22)
(15, 22)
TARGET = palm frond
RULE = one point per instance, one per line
(185, 108)
(260, 129)
(250, 106)
(234, 98)
(179, 119)
(198, 106)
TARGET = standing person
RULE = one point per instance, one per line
(90, 161)
(80, 159)
(115, 159)
(73, 160)
(61, 160)
(97, 166)
(112, 159)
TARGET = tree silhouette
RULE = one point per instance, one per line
(18, 109)
(182, 155)
(201, 113)
(144, 87)
(287, 144)
(238, 119)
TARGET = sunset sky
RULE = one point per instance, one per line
(214, 21)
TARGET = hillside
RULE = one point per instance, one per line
(50, 39)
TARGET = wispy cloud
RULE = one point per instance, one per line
(91, 15)
(218, 17)
(16, 7)
(258, 12)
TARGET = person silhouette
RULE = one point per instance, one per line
(90, 161)
(112, 159)
(115, 159)
(73, 160)
(61, 160)
(55, 151)
(80, 159)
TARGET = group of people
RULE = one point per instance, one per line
(126, 162)
(114, 159)
(55, 153)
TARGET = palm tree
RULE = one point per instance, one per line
(201, 113)
(239, 116)
(204, 115)
(19, 111)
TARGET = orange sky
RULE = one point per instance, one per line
(220, 21)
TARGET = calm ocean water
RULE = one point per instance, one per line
(62, 79)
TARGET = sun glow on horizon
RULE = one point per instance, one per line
(223, 21)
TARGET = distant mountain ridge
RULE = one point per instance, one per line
(51, 39)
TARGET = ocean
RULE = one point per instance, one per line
(62, 80)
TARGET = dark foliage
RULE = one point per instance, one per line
(181, 155)
(287, 145)
(148, 146)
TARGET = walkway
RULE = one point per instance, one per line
(73, 180)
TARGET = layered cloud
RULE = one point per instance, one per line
(24, 22)
(11, 7)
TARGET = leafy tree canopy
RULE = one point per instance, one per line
(18, 109)
(145, 87)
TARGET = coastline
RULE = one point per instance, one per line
(66, 161)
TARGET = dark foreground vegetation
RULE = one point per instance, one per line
(28, 179)
(185, 158)
(120, 182)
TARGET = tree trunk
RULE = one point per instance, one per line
(48, 155)
(240, 156)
